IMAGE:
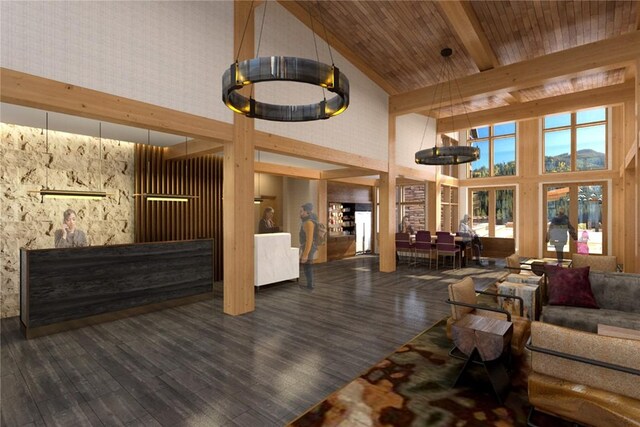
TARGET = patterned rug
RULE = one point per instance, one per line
(413, 387)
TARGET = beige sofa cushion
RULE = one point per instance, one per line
(596, 262)
(618, 351)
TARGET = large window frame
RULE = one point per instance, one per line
(491, 136)
(573, 211)
(492, 226)
(415, 207)
(574, 128)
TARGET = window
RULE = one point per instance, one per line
(497, 144)
(582, 203)
(411, 203)
(492, 212)
(575, 141)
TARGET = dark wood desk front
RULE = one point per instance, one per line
(67, 288)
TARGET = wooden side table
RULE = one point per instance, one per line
(487, 342)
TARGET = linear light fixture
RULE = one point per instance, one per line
(47, 193)
(166, 197)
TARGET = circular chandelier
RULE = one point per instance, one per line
(450, 154)
(285, 68)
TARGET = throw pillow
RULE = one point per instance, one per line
(570, 287)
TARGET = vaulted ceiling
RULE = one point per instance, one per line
(398, 43)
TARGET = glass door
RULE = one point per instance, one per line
(582, 205)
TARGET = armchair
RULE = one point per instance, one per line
(595, 262)
(584, 377)
(463, 300)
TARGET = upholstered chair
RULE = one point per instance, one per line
(463, 299)
(404, 247)
(584, 377)
(514, 266)
(423, 246)
(596, 262)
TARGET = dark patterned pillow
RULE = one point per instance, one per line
(570, 287)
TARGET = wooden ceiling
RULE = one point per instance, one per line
(398, 43)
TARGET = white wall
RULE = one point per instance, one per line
(410, 129)
(361, 129)
(170, 53)
(173, 54)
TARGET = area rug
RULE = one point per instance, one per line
(413, 387)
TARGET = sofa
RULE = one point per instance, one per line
(596, 262)
(617, 295)
(583, 377)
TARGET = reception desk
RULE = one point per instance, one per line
(275, 260)
(70, 287)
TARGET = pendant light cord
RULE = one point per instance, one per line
(100, 139)
(315, 44)
(433, 100)
(48, 154)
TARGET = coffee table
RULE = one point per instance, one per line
(487, 342)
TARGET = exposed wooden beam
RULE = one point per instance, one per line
(608, 95)
(425, 173)
(630, 157)
(303, 16)
(282, 170)
(466, 25)
(304, 150)
(370, 182)
(37, 92)
(601, 55)
(346, 173)
(193, 148)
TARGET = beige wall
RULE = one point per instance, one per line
(74, 164)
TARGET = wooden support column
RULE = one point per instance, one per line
(530, 229)
(636, 143)
(388, 206)
(433, 206)
(237, 202)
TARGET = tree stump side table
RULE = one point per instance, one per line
(486, 341)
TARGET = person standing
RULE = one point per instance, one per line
(307, 244)
(557, 233)
(69, 236)
(267, 225)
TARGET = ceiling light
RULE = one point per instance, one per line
(284, 68)
(446, 155)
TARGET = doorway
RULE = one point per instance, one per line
(583, 204)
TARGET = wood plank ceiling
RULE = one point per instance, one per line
(400, 41)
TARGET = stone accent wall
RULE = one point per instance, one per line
(72, 162)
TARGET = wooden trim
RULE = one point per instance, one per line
(282, 170)
(304, 150)
(38, 92)
(323, 214)
(346, 173)
(426, 174)
(369, 182)
(610, 95)
(194, 148)
(601, 55)
(302, 15)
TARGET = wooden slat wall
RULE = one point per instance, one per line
(165, 221)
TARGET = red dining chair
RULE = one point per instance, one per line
(423, 246)
(405, 248)
(446, 246)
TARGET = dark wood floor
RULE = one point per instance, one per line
(193, 365)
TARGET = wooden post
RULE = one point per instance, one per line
(238, 219)
(323, 213)
(388, 206)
